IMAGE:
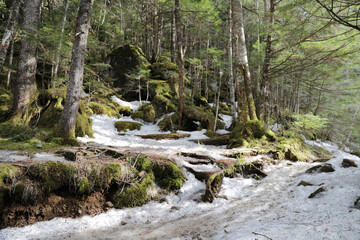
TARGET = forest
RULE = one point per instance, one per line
(117, 103)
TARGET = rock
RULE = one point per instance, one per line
(348, 163)
(123, 126)
(253, 170)
(198, 156)
(321, 160)
(70, 154)
(323, 168)
(319, 190)
(165, 136)
(357, 203)
(109, 204)
(305, 184)
(201, 175)
(216, 141)
(123, 223)
(146, 112)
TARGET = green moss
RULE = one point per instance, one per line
(7, 171)
(168, 176)
(250, 131)
(100, 109)
(53, 176)
(213, 186)
(123, 126)
(134, 195)
(162, 105)
(18, 192)
(5, 104)
(200, 100)
(101, 177)
(143, 164)
(83, 122)
(83, 186)
(160, 87)
(146, 112)
(163, 69)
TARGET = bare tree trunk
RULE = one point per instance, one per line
(9, 30)
(218, 101)
(173, 38)
(180, 58)
(231, 75)
(11, 59)
(264, 84)
(242, 58)
(25, 83)
(58, 54)
(76, 74)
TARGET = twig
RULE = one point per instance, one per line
(137, 157)
(262, 235)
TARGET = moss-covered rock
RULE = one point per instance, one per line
(168, 176)
(83, 122)
(100, 109)
(200, 100)
(248, 131)
(123, 126)
(213, 186)
(125, 61)
(162, 105)
(146, 112)
(136, 194)
(163, 69)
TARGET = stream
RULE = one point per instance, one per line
(272, 208)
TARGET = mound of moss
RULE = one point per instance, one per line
(163, 69)
(146, 112)
(168, 176)
(123, 126)
(162, 105)
(248, 131)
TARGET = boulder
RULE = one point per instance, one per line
(323, 168)
(346, 163)
(168, 136)
(123, 126)
(319, 190)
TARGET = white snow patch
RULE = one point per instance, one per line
(134, 105)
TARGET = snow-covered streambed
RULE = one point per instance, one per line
(272, 208)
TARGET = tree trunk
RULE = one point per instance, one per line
(58, 54)
(11, 59)
(9, 30)
(173, 38)
(180, 58)
(76, 74)
(264, 84)
(231, 75)
(242, 58)
(25, 83)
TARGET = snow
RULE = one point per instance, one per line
(134, 105)
(274, 207)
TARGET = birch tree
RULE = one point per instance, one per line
(76, 74)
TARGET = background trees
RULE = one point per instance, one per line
(300, 60)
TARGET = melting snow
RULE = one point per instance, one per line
(134, 105)
(274, 207)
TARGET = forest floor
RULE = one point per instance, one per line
(287, 204)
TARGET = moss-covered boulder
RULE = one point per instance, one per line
(125, 61)
(83, 122)
(123, 126)
(168, 176)
(162, 105)
(163, 69)
(146, 112)
(200, 101)
(248, 131)
(100, 108)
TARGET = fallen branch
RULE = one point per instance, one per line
(258, 234)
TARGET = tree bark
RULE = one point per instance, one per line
(180, 58)
(173, 38)
(25, 83)
(269, 18)
(230, 60)
(76, 74)
(242, 64)
(9, 30)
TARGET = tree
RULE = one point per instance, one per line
(242, 63)
(76, 74)
(25, 83)
(10, 30)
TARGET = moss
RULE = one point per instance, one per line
(146, 112)
(83, 186)
(168, 176)
(250, 131)
(100, 108)
(162, 105)
(163, 69)
(51, 115)
(53, 176)
(18, 192)
(7, 173)
(5, 104)
(123, 126)
(169, 123)
(213, 186)
(159, 87)
(101, 177)
(16, 132)
(200, 100)
(83, 122)
(134, 195)
(143, 164)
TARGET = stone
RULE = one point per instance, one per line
(348, 163)
(305, 184)
(322, 168)
(319, 190)
(357, 203)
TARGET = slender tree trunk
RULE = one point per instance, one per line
(58, 53)
(180, 58)
(218, 101)
(9, 30)
(242, 58)
(264, 84)
(173, 38)
(25, 83)
(11, 59)
(230, 60)
(76, 74)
